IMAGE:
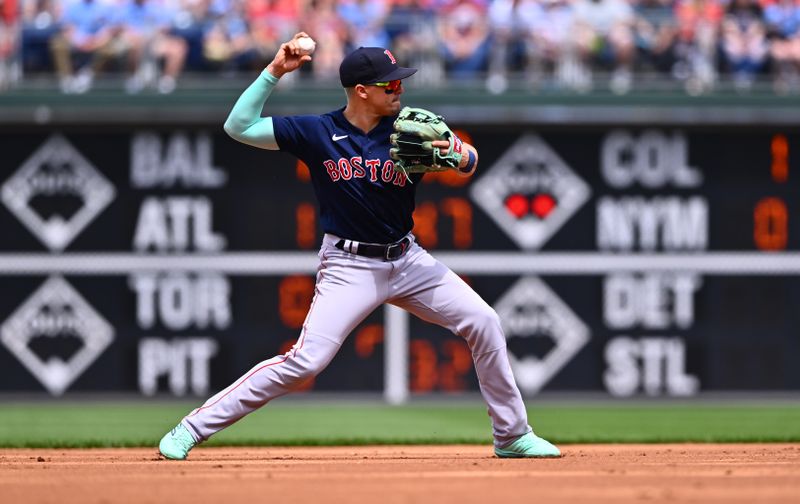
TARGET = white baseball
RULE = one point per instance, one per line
(306, 45)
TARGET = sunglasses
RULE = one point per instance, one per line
(390, 87)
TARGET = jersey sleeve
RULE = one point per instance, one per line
(295, 134)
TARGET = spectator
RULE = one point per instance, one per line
(9, 32)
(227, 40)
(744, 43)
(697, 40)
(553, 39)
(405, 20)
(464, 36)
(656, 34)
(86, 32)
(145, 26)
(783, 28)
(513, 46)
(604, 34)
(190, 20)
(271, 23)
(365, 21)
(322, 22)
(411, 27)
(40, 22)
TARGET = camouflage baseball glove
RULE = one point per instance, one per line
(412, 150)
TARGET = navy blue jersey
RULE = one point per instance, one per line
(361, 196)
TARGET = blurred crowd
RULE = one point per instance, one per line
(574, 44)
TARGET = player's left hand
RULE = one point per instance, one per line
(423, 142)
(443, 145)
(463, 170)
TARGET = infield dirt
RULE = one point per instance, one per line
(702, 473)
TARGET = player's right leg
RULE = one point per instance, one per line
(348, 289)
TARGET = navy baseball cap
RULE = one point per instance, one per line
(368, 65)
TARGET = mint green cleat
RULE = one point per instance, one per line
(176, 443)
(528, 446)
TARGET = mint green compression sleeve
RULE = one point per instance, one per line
(245, 123)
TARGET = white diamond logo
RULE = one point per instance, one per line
(54, 172)
(56, 310)
(530, 192)
(531, 310)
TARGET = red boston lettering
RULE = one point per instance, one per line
(330, 166)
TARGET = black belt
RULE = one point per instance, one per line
(388, 252)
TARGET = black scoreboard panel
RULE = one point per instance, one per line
(91, 219)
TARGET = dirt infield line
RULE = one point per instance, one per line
(703, 473)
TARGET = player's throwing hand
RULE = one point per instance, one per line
(289, 58)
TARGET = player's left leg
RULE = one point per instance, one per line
(430, 290)
(348, 289)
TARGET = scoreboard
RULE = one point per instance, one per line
(626, 260)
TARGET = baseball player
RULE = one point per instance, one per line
(368, 255)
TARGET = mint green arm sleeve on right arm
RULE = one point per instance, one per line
(245, 123)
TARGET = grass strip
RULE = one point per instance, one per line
(140, 424)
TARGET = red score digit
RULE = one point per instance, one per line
(770, 224)
(780, 158)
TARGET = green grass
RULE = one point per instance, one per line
(94, 424)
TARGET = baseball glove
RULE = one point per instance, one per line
(412, 149)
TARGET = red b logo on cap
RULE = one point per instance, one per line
(387, 53)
